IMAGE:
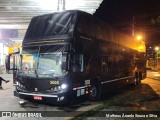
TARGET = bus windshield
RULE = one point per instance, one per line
(42, 61)
(46, 26)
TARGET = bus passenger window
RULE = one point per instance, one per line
(77, 63)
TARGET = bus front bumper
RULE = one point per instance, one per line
(60, 98)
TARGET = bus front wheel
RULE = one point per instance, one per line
(137, 79)
(94, 93)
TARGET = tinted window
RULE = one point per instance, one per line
(86, 25)
(51, 24)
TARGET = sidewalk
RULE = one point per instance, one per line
(153, 74)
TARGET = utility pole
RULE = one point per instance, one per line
(133, 26)
(61, 5)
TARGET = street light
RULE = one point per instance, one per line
(139, 37)
(140, 44)
(156, 48)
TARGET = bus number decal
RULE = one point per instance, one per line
(54, 82)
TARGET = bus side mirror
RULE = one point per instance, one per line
(7, 62)
(12, 61)
(64, 61)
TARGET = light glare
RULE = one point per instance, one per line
(156, 48)
(63, 86)
(47, 4)
(139, 37)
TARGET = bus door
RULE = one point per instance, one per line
(79, 87)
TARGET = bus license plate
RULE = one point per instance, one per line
(37, 97)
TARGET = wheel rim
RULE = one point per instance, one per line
(93, 92)
(135, 81)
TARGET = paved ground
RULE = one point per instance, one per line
(136, 98)
(141, 99)
(8, 102)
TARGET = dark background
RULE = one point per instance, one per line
(120, 14)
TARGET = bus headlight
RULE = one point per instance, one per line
(18, 84)
(63, 86)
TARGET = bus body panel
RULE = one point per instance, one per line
(95, 56)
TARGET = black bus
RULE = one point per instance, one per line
(70, 55)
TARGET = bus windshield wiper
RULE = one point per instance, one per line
(51, 74)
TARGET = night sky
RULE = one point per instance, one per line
(119, 13)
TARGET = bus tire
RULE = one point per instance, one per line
(15, 94)
(136, 81)
(140, 77)
(70, 100)
(94, 93)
